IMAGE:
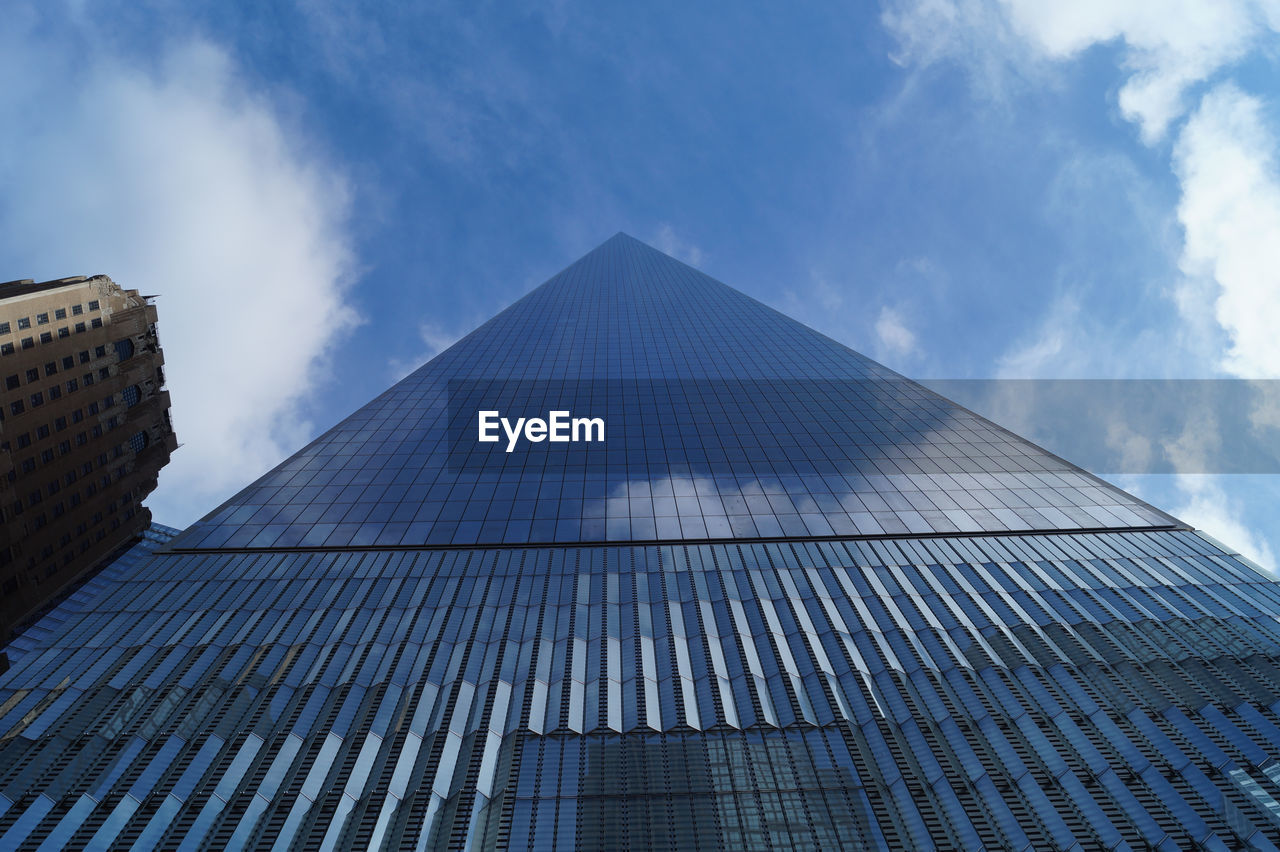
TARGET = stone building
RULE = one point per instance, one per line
(84, 430)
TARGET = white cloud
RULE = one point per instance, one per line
(183, 181)
(667, 241)
(829, 297)
(1223, 158)
(1134, 451)
(1071, 342)
(975, 32)
(1230, 212)
(1207, 507)
(892, 333)
(435, 339)
(1167, 45)
(1057, 348)
(1264, 416)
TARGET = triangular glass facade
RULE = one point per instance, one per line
(791, 600)
(729, 420)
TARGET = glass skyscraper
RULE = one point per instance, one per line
(791, 600)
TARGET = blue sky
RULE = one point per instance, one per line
(959, 188)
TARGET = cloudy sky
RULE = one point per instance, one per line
(326, 194)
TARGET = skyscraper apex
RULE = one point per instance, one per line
(791, 600)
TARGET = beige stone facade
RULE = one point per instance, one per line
(84, 430)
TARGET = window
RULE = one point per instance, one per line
(60, 424)
(131, 396)
(46, 456)
(104, 372)
(124, 349)
(42, 432)
(72, 384)
(88, 379)
(77, 416)
(7, 349)
(64, 332)
(28, 465)
(64, 447)
(24, 440)
(84, 357)
(51, 369)
(33, 375)
(55, 392)
(37, 398)
(79, 327)
(77, 310)
(4, 328)
(17, 407)
(46, 337)
(42, 319)
(28, 342)
(24, 322)
(138, 441)
(100, 352)
(93, 306)
(11, 382)
(60, 313)
(97, 322)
